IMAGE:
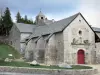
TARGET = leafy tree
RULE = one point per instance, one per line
(30, 22)
(18, 17)
(7, 21)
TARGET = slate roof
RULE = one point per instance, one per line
(28, 28)
(53, 27)
(48, 22)
(96, 29)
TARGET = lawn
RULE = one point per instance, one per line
(24, 64)
(6, 49)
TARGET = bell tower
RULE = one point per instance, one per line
(40, 19)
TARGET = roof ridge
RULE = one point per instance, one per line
(54, 27)
(69, 17)
(24, 23)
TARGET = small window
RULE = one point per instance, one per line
(79, 20)
(80, 32)
(41, 17)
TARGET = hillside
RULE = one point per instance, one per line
(5, 50)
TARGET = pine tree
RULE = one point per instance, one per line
(18, 18)
(25, 19)
(7, 21)
(22, 20)
(1, 26)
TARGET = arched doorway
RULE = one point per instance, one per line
(80, 57)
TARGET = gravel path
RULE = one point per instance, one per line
(97, 66)
(9, 73)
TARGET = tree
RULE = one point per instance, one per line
(34, 22)
(7, 21)
(22, 20)
(1, 22)
(18, 17)
(25, 19)
(30, 22)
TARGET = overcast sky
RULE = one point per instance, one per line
(55, 9)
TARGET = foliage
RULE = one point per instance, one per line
(25, 20)
(5, 22)
(18, 18)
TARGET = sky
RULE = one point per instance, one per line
(55, 9)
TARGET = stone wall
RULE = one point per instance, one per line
(4, 39)
(42, 71)
(60, 47)
(97, 50)
(78, 35)
(51, 51)
(63, 47)
(14, 38)
(30, 48)
(97, 53)
(40, 47)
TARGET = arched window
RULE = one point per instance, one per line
(41, 17)
(80, 32)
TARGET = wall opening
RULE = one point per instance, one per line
(80, 57)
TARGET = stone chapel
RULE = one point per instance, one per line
(68, 41)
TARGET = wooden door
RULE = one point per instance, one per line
(80, 57)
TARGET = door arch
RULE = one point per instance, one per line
(80, 57)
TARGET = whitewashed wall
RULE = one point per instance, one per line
(71, 32)
(24, 35)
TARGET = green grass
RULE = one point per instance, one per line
(6, 49)
(24, 64)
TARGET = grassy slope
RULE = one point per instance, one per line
(6, 49)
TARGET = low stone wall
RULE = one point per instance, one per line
(38, 71)
(4, 39)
